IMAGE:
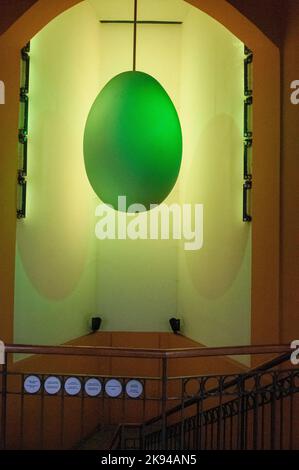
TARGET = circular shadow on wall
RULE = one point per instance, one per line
(215, 180)
(53, 255)
(54, 239)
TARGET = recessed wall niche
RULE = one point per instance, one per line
(63, 273)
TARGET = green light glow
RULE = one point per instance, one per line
(133, 141)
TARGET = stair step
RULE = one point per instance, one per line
(100, 440)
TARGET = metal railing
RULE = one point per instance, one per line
(254, 410)
(247, 416)
(43, 408)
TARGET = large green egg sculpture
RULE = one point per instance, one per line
(133, 141)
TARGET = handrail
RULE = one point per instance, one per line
(103, 351)
(245, 376)
(116, 435)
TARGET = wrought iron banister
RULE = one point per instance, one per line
(283, 388)
(192, 401)
(152, 435)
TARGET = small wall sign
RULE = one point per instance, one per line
(93, 387)
(52, 385)
(113, 388)
(134, 388)
(32, 384)
(72, 386)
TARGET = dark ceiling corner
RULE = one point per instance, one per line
(11, 10)
(266, 15)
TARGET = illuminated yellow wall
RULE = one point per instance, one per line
(63, 273)
(56, 249)
(214, 283)
(137, 280)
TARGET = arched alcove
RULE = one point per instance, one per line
(265, 225)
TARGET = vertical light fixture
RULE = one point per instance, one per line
(23, 132)
(248, 134)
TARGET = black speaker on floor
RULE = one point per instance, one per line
(175, 324)
(96, 324)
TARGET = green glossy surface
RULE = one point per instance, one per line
(133, 141)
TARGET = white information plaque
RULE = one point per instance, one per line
(134, 388)
(52, 385)
(93, 387)
(32, 384)
(113, 388)
(72, 386)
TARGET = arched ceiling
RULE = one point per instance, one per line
(268, 18)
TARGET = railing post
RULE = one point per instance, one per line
(242, 415)
(256, 413)
(164, 401)
(4, 402)
(273, 413)
(122, 437)
(182, 438)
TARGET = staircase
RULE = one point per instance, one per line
(254, 411)
(42, 408)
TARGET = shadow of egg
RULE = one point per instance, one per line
(215, 180)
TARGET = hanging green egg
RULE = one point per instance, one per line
(133, 141)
